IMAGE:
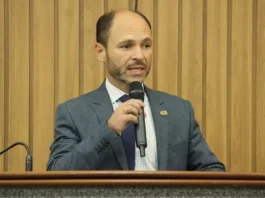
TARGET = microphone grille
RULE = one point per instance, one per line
(136, 90)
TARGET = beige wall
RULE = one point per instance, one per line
(211, 52)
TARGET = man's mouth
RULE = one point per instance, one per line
(136, 68)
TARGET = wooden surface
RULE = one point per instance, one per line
(259, 76)
(91, 71)
(171, 54)
(160, 178)
(68, 52)
(215, 95)
(192, 46)
(42, 78)
(241, 86)
(2, 81)
(18, 72)
(210, 52)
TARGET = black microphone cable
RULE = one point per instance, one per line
(28, 157)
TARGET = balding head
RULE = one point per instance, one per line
(105, 22)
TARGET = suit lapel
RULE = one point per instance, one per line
(104, 109)
(161, 127)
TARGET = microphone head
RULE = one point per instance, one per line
(136, 90)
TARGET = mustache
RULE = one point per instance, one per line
(137, 63)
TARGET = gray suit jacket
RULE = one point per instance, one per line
(83, 140)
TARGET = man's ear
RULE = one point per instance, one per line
(101, 52)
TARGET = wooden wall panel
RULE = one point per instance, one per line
(68, 46)
(2, 82)
(210, 52)
(118, 4)
(42, 81)
(260, 146)
(216, 78)
(167, 47)
(146, 7)
(192, 25)
(18, 120)
(241, 86)
(93, 70)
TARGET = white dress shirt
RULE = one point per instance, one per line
(149, 162)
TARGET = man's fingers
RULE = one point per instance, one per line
(130, 109)
(131, 118)
(138, 104)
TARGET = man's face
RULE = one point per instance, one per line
(129, 50)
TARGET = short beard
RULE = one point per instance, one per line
(116, 72)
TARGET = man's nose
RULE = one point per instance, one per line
(138, 53)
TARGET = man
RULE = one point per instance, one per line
(91, 130)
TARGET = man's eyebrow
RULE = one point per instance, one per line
(130, 41)
(127, 41)
(147, 40)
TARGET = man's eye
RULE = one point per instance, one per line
(126, 46)
(147, 46)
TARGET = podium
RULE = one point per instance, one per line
(131, 184)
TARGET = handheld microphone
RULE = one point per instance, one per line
(136, 92)
(28, 157)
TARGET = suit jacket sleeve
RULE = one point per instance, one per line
(200, 156)
(68, 152)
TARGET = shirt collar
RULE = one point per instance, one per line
(114, 92)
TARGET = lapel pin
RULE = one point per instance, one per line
(163, 112)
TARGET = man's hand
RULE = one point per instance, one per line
(124, 114)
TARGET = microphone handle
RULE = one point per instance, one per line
(28, 163)
(140, 131)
